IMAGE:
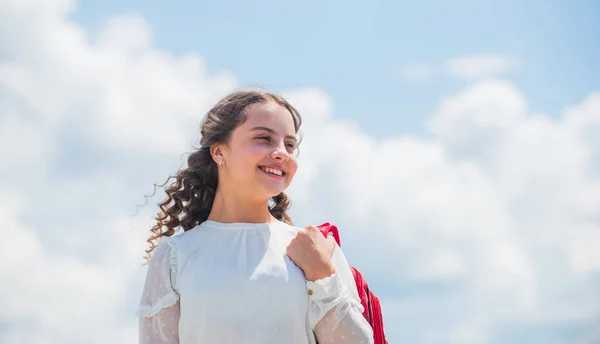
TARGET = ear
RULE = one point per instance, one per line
(216, 151)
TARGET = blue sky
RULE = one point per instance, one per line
(464, 192)
(353, 50)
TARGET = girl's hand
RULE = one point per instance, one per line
(312, 253)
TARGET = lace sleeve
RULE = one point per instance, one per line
(162, 327)
(159, 305)
(335, 311)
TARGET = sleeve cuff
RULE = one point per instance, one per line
(325, 288)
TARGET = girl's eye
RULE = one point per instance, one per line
(291, 146)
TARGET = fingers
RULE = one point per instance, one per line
(310, 233)
(311, 228)
(307, 232)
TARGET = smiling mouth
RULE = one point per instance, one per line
(272, 171)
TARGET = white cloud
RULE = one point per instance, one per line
(479, 66)
(468, 67)
(493, 220)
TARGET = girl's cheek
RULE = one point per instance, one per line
(293, 164)
(258, 150)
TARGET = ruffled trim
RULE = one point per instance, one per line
(325, 287)
(168, 242)
(164, 302)
(171, 298)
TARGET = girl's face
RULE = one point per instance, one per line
(259, 158)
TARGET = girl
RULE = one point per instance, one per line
(241, 272)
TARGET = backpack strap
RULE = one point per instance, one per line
(327, 228)
(370, 302)
(377, 319)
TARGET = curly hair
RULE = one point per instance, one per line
(190, 197)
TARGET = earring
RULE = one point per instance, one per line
(220, 163)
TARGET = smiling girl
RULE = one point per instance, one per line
(240, 272)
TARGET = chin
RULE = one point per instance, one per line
(272, 192)
(271, 189)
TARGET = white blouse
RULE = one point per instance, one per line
(233, 283)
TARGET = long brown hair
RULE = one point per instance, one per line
(190, 197)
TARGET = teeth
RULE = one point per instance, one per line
(272, 171)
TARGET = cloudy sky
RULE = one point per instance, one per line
(457, 146)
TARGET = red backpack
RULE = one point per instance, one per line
(369, 301)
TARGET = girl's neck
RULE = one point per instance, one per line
(230, 208)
